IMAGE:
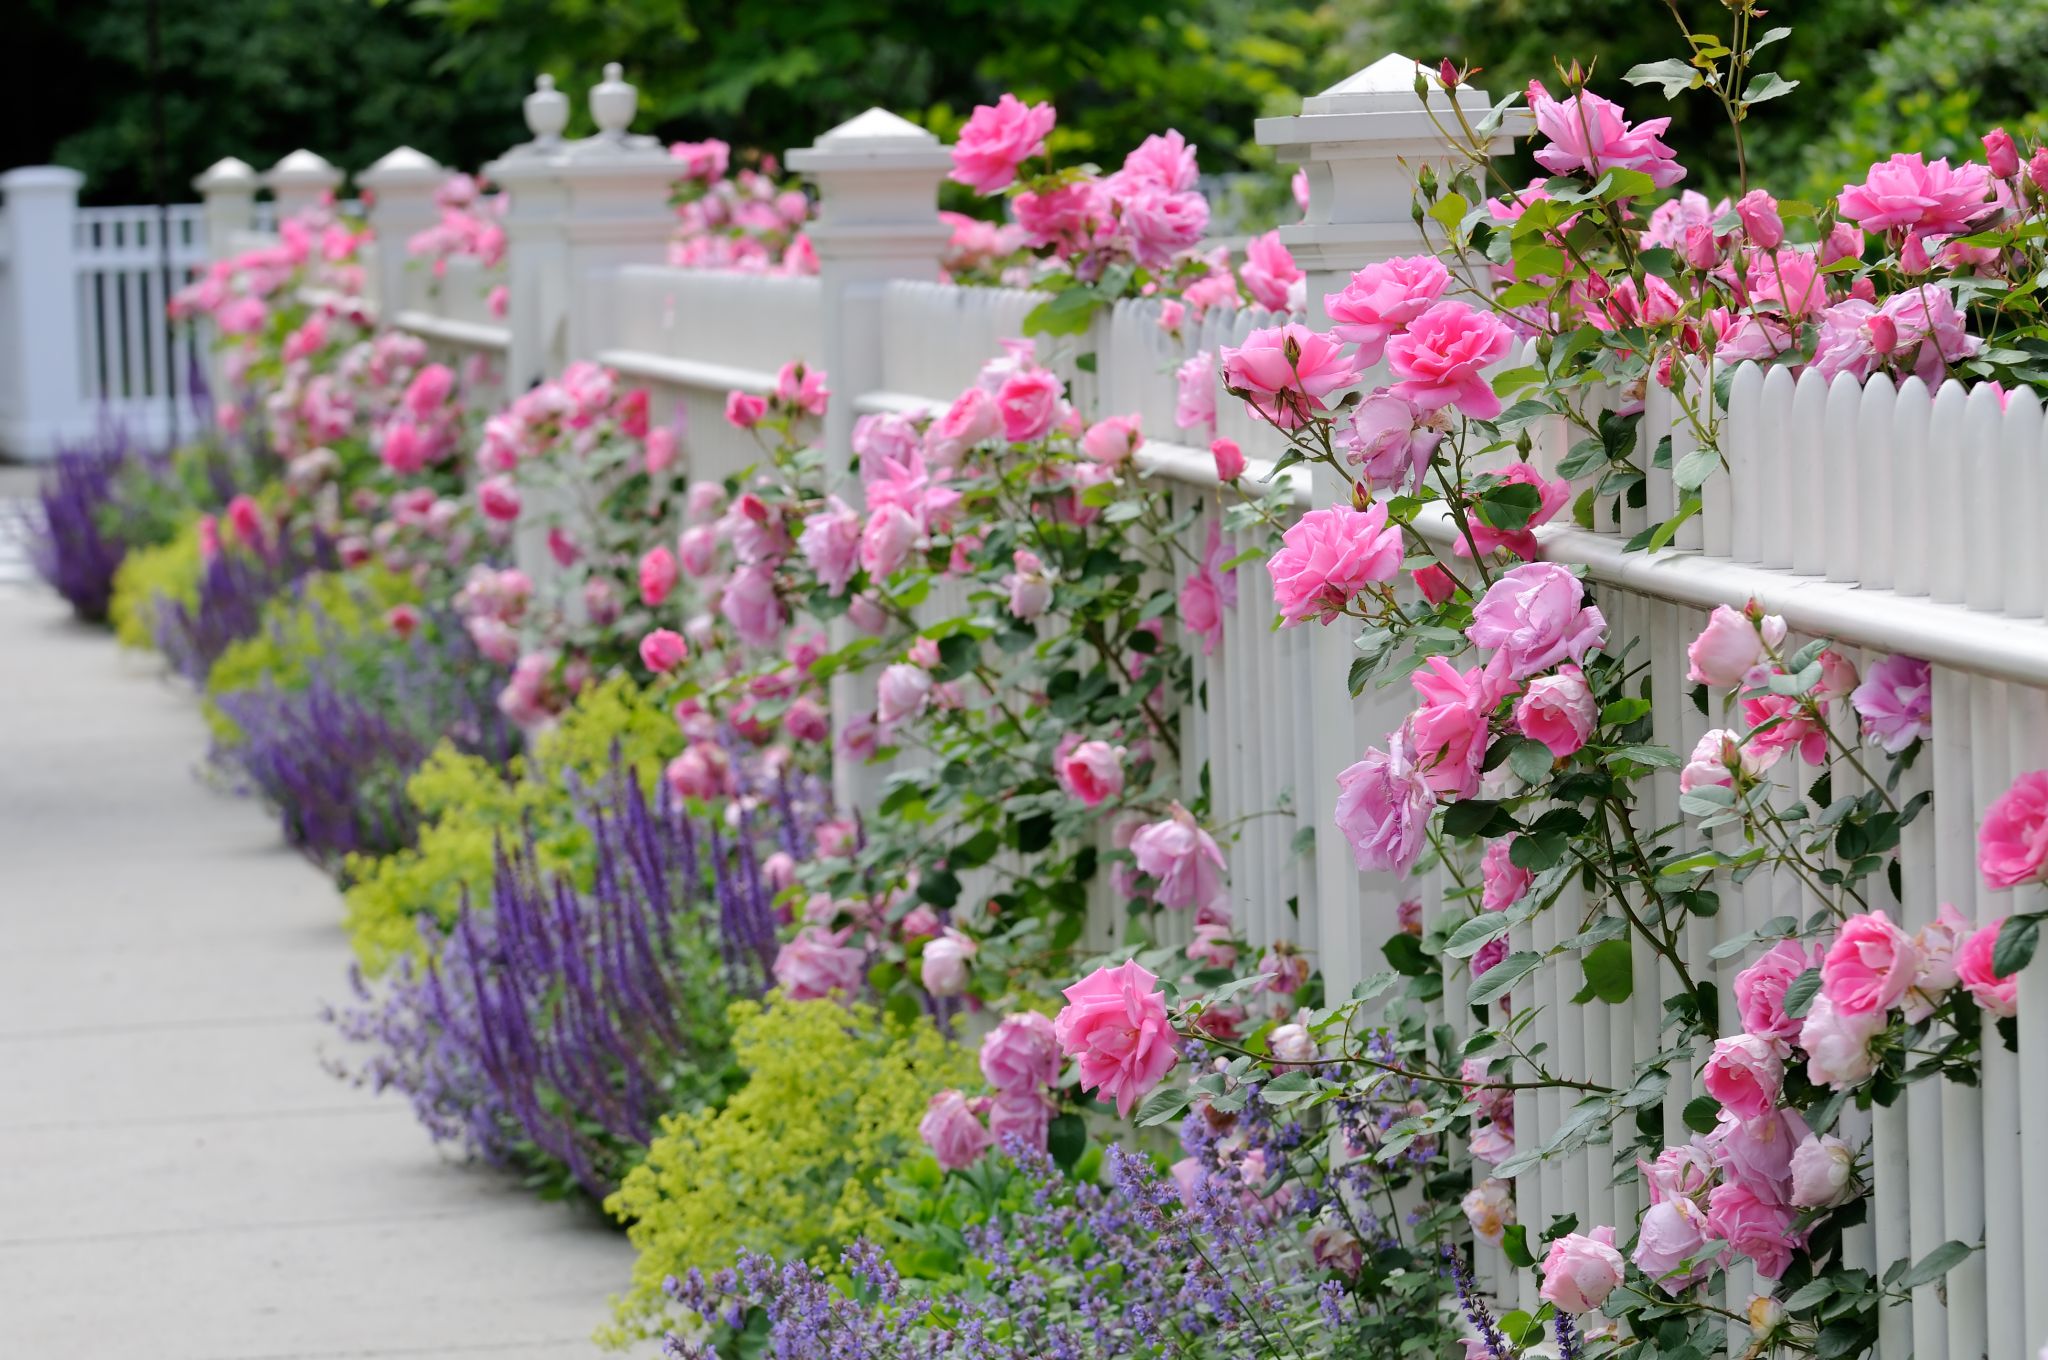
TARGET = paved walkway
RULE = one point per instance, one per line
(179, 1179)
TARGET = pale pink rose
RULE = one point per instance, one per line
(1823, 1172)
(1194, 406)
(1020, 1116)
(1383, 807)
(1671, 218)
(1760, 989)
(1162, 224)
(1791, 727)
(1115, 1026)
(1183, 858)
(1291, 1045)
(886, 542)
(1212, 947)
(697, 550)
(1896, 702)
(704, 502)
(1681, 1172)
(998, 138)
(744, 410)
(1580, 1271)
(1938, 942)
(831, 544)
(1490, 1208)
(702, 771)
(1558, 710)
(663, 650)
(1328, 557)
(819, 962)
(885, 435)
(1092, 772)
(807, 721)
(1926, 329)
(866, 613)
(1998, 995)
(1022, 1053)
(1730, 649)
(971, 419)
(1752, 1227)
(902, 692)
(1535, 615)
(1744, 1073)
(749, 603)
(1484, 961)
(1588, 135)
(1837, 1044)
(1757, 1152)
(1384, 437)
(802, 388)
(1161, 161)
(2012, 844)
(1334, 1249)
(1503, 881)
(1283, 969)
(1064, 215)
(1908, 192)
(1442, 357)
(945, 963)
(1869, 966)
(1382, 299)
(1112, 440)
(1029, 404)
(662, 450)
(1229, 459)
(1673, 1232)
(1029, 586)
(1286, 371)
(950, 1129)
(1716, 758)
(1269, 271)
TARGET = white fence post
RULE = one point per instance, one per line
(228, 188)
(1361, 142)
(300, 181)
(536, 274)
(402, 184)
(878, 220)
(42, 338)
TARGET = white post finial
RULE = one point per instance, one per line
(547, 112)
(613, 102)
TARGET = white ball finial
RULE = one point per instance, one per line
(547, 111)
(613, 103)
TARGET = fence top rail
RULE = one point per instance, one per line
(449, 331)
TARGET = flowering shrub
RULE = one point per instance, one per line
(742, 219)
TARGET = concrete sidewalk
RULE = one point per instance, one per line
(179, 1179)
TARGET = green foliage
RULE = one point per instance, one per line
(325, 611)
(795, 1164)
(167, 571)
(465, 804)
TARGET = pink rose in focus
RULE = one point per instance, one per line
(1760, 990)
(1022, 1053)
(1558, 710)
(1823, 1172)
(1115, 1026)
(2012, 844)
(1384, 437)
(1442, 357)
(1028, 404)
(1382, 299)
(1383, 807)
(1092, 771)
(1328, 557)
(1752, 1227)
(1997, 995)
(953, 1133)
(1502, 879)
(1588, 135)
(1870, 965)
(1837, 1044)
(2001, 154)
(1673, 1232)
(1287, 371)
(1744, 1074)
(1730, 649)
(998, 138)
(1229, 459)
(1580, 1271)
(1183, 858)
(1760, 220)
(1534, 614)
(1434, 584)
(1896, 702)
(1923, 197)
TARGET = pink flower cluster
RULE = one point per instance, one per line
(744, 220)
(1020, 1058)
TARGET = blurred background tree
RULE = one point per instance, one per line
(353, 78)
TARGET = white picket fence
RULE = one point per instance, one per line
(1888, 520)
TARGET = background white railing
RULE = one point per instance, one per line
(1887, 519)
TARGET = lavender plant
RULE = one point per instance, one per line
(68, 543)
(233, 588)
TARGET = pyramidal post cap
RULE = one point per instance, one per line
(227, 173)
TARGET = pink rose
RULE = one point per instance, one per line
(1115, 1026)
(1998, 995)
(1760, 220)
(1092, 772)
(1730, 649)
(1588, 135)
(1939, 941)
(749, 603)
(498, 301)
(1449, 733)
(1911, 193)
(1752, 1226)
(1212, 947)
(744, 410)
(1383, 807)
(498, 498)
(1291, 1045)
(830, 544)
(1714, 762)
(807, 721)
(1681, 1172)
(943, 966)
(1744, 1074)
(799, 387)
(1503, 880)
(1869, 966)
(1161, 224)
(1580, 1271)
(1112, 440)
(1490, 1208)
(1333, 1249)
(1534, 614)
(405, 449)
(1673, 1231)
(1183, 858)
(663, 650)
(1020, 1116)
(971, 419)
(996, 140)
(1760, 989)
(1022, 1053)
(1330, 555)
(2012, 844)
(1786, 726)
(1229, 459)
(1064, 215)
(953, 1133)
(1286, 371)
(1382, 299)
(1758, 1152)
(1441, 359)
(1896, 702)
(1385, 439)
(697, 549)
(903, 692)
(1194, 403)
(1823, 1169)
(1558, 710)
(819, 962)
(702, 771)
(2001, 155)
(1028, 404)
(1434, 584)
(886, 542)
(1269, 271)
(1161, 161)
(1837, 1044)
(1029, 586)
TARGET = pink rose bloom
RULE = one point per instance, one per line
(697, 550)
(1020, 1116)
(1939, 942)
(1681, 1172)
(1790, 278)
(1998, 995)
(886, 542)
(1552, 496)
(1063, 216)
(1837, 1044)
(1162, 161)
(1383, 807)
(1384, 437)
(1588, 135)
(1730, 649)
(1449, 733)
(744, 410)
(996, 140)
(1113, 440)
(830, 544)
(1673, 1232)
(1490, 1208)
(1442, 357)
(1760, 219)
(1535, 616)
(1434, 584)
(1558, 710)
(1793, 729)
(1269, 271)
(1287, 371)
(1758, 1152)
(702, 771)
(1283, 969)
(1291, 1045)
(1229, 459)
(819, 962)
(1212, 947)
(953, 1133)
(1927, 329)
(658, 576)
(1503, 881)
(663, 650)
(750, 604)
(1382, 299)
(1896, 702)
(2012, 844)
(1926, 198)
(1115, 1026)
(1580, 1271)
(806, 721)
(1489, 956)
(1744, 1074)
(1823, 1171)
(1028, 404)
(971, 419)
(943, 967)
(1715, 759)
(1183, 858)
(1162, 224)
(902, 692)
(1753, 1227)
(1760, 989)
(1022, 1053)
(1092, 772)
(2002, 156)
(1194, 406)
(1870, 965)
(1670, 220)
(802, 388)
(1328, 556)
(405, 449)
(1029, 586)
(498, 499)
